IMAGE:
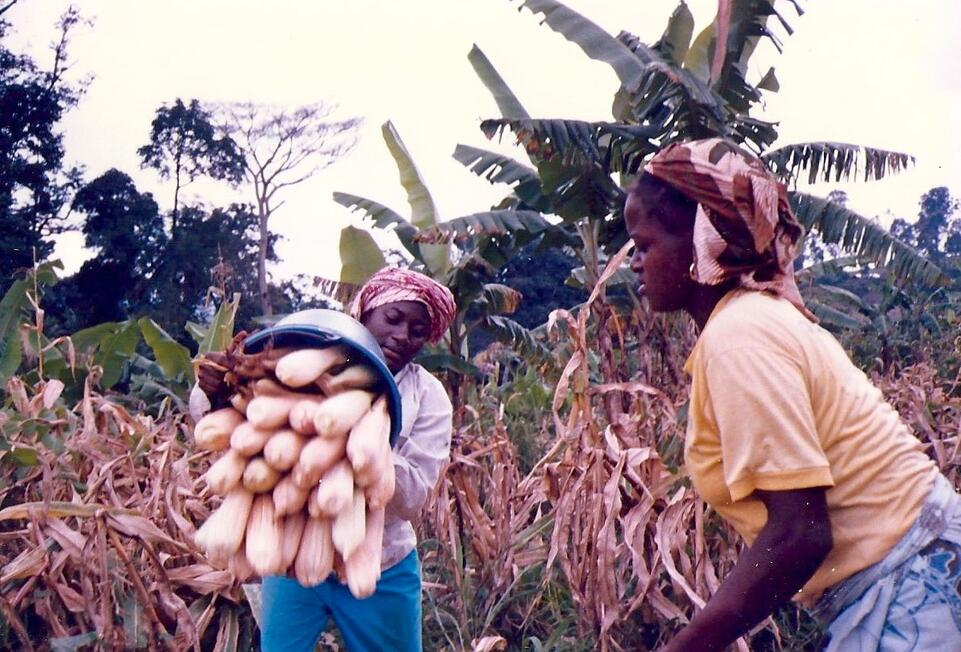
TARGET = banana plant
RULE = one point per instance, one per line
(462, 253)
(685, 87)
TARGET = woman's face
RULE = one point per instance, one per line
(401, 328)
(661, 259)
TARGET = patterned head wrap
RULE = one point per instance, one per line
(393, 284)
(744, 227)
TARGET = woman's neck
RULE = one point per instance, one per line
(705, 299)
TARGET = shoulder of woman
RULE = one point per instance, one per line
(752, 319)
(421, 382)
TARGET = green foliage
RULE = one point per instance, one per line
(34, 184)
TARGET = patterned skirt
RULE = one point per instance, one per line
(911, 600)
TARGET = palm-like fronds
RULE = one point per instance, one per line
(830, 161)
(520, 339)
(868, 240)
(489, 223)
(383, 217)
(507, 102)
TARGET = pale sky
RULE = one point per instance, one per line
(884, 73)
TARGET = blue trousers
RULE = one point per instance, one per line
(294, 616)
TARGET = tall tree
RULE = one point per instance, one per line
(184, 144)
(34, 185)
(283, 148)
(126, 229)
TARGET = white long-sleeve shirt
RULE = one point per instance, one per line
(421, 450)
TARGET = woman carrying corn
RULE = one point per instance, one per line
(403, 310)
(786, 439)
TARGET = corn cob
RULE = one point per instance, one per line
(265, 537)
(223, 532)
(315, 559)
(293, 531)
(212, 432)
(283, 449)
(347, 530)
(336, 489)
(319, 454)
(368, 443)
(380, 492)
(260, 476)
(288, 497)
(224, 474)
(302, 416)
(338, 414)
(358, 376)
(270, 412)
(304, 366)
(248, 440)
(362, 567)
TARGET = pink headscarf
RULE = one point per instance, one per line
(393, 284)
(744, 227)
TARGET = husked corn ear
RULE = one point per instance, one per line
(380, 492)
(368, 443)
(268, 387)
(302, 416)
(339, 567)
(264, 537)
(224, 474)
(312, 509)
(270, 412)
(336, 489)
(240, 402)
(304, 478)
(247, 439)
(319, 454)
(338, 414)
(315, 559)
(293, 531)
(260, 476)
(358, 376)
(283, 449)
(288, 497)
(212, 432)
(240, 567)
(362, 567)
(348, 526)
(304, 366)
(223, 532)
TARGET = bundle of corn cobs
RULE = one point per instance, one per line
(306, 470)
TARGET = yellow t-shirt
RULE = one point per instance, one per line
(776, 404)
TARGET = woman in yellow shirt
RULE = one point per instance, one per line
(786, 439)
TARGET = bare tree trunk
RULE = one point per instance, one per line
(263, 213)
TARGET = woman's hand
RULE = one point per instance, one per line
(213, 368)
(788, 550)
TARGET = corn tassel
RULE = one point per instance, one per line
(265, 537)
(315, 559)
(363, 565)
(348, 527)
(212, 432)
(224, 474)
(304, 366)
(260, 476)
